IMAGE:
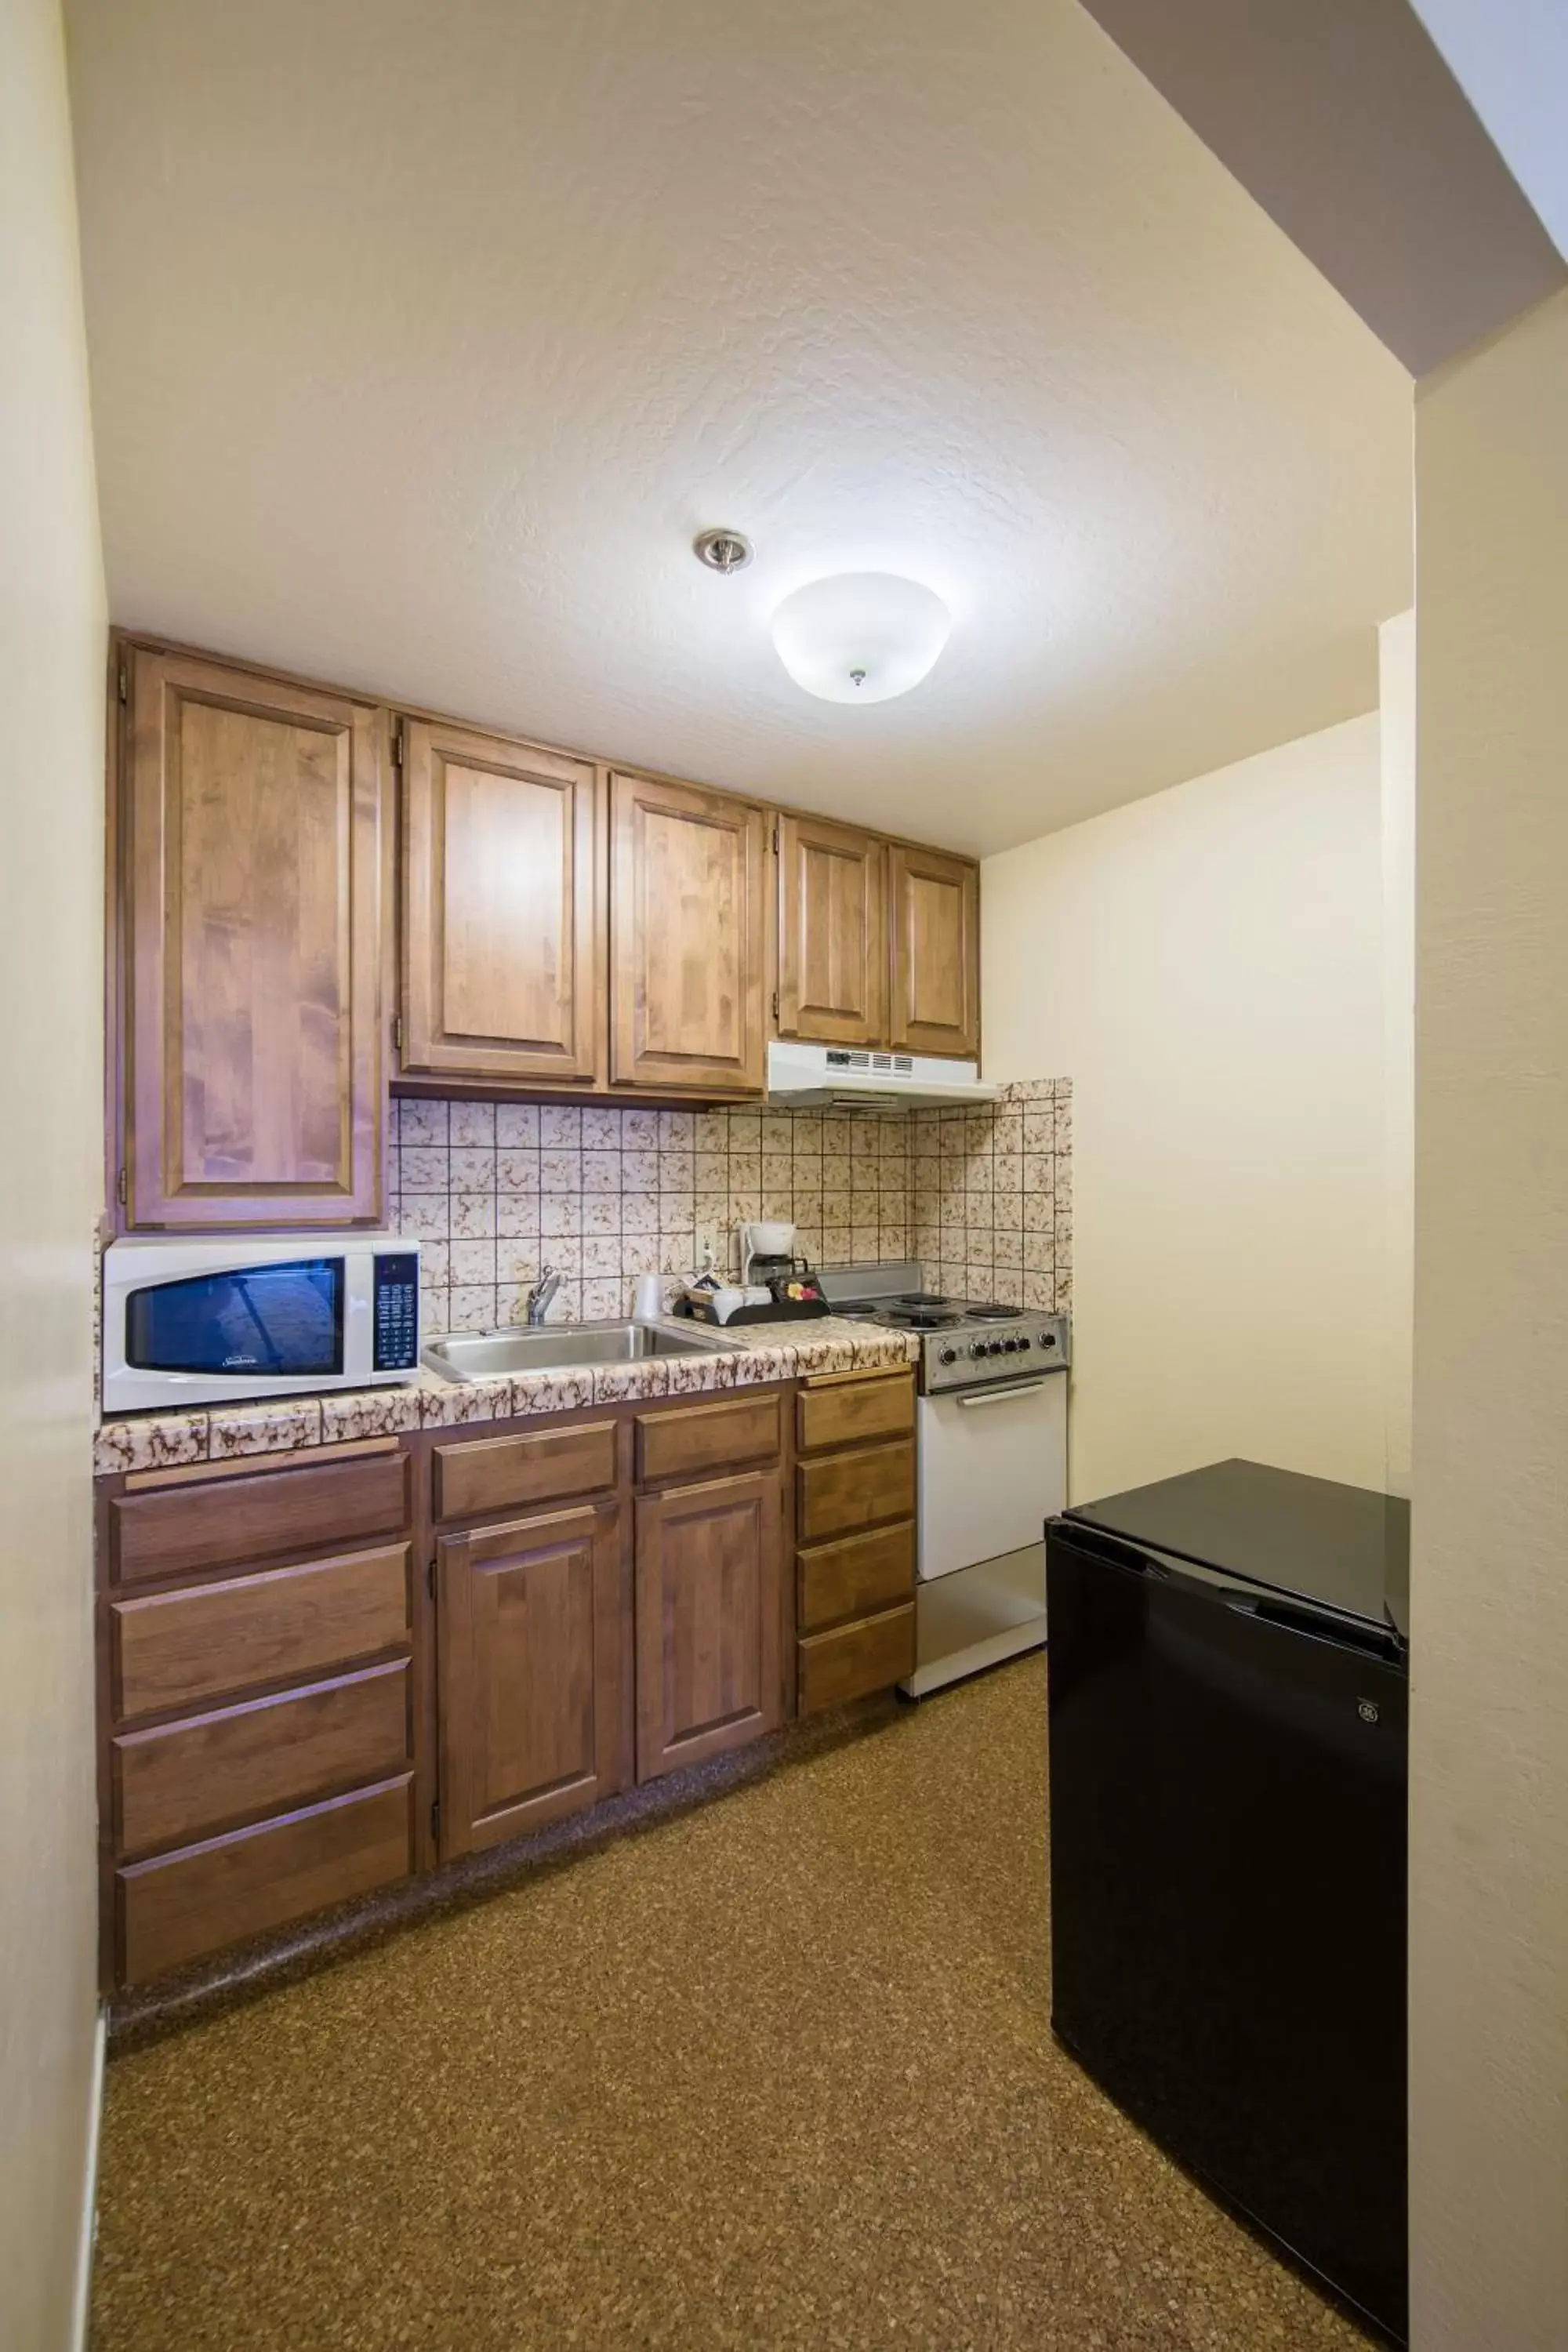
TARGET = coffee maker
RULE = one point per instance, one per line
(773, 1279)
(766, 1252)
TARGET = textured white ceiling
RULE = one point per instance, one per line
(424, 339)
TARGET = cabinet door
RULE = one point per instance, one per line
(501, 913)
(254, 1086)
(687, 941)
(833, 933)
(936, 953)
(707, 1604)
(533, 1683)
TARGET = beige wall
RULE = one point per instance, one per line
(51, 691)
(1207, 967)
(1490, 1589)
(1396, 720)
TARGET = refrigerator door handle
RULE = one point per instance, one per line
(1366, 1642)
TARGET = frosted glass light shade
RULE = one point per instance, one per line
(862, 636)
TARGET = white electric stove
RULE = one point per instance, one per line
(992, 1451)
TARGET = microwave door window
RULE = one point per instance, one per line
(285, 1322)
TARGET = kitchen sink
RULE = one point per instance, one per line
(558, 1347)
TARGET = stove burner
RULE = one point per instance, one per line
(912, 1317)
(921, 1298)
(993, 1314)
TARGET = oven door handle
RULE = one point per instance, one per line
(1001, 1395)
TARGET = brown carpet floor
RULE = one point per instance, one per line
(777, 2073)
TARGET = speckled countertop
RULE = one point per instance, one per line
(768, 1352)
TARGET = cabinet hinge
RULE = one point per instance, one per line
(775, 837)
(397, 742)
(775, 1004)
(436, 1819)
(122, 1188)
(125, 683)
(430, 1579)
(397, 1031)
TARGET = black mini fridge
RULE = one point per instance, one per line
(1228, 1700)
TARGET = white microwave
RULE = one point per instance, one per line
(219, 1321)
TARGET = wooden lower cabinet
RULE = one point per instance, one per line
(297, 1660)
(533, 1683)
(261, 1692)
(855, 1503)
(181, 1905)
(857, 1659)
(708, 1559)
(183, 1779)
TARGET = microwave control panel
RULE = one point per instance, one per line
(396, 1311)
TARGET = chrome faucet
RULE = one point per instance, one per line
(540, 1296)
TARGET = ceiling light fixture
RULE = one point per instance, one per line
(860, 637)
(722, 551)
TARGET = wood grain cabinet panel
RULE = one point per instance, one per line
(502, 873)
(708, 1619)
(183, 1779)
(170, 1650)
(693, 1441)
(201, 1897)
(833, 933)
(856, 1660)
(935, 952)
(854, 1577)
(508, 1474)
(232, 1522)
(837, 1494)
(688, 949)
(533, 1683)
(252, 902)
(846, 1411)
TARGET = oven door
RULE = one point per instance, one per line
(993, 1469)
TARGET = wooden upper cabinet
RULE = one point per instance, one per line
(254, 838)
(687, 944)
(936, 953)
(833, 933)
(502, 863)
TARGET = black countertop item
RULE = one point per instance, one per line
(1345, 1548)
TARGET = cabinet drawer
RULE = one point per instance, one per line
(844, 1492)
(854, 1411)
(855, 1576)
(696, 1439)
(868, 1657)
(543, 1465)
(236, 1521)
(184, 1778)
(172, 1649)
(205, 1896)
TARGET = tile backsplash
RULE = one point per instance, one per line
(605, 1193)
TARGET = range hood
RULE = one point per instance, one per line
(851, 1077)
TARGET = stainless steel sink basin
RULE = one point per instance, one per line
(558, 1347)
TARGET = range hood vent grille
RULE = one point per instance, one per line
(840, 1057)
(860, 1078)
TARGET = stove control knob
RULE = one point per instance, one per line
(1047, 1338)
(1025, 1341)
(977, 1348)
(949, 1356)
(1013, 1346)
